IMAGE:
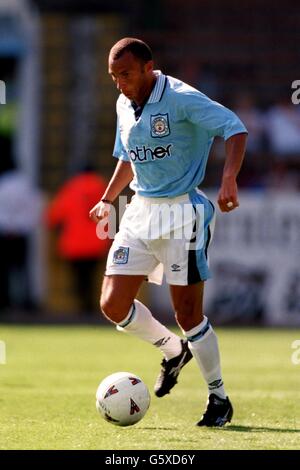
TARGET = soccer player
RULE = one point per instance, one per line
(165, 129)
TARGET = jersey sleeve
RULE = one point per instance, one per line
(119, 150)
(212, 116)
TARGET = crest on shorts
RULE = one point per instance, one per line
(160, 126)
(121, 255)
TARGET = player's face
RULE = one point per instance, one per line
(132, 77)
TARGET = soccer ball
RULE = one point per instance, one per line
(122, 399)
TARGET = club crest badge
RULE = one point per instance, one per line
(160, 126)
(121, 255)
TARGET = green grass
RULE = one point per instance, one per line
(47, 391)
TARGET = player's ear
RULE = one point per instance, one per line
(149, 66)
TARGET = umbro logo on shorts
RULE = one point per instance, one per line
(175, 268)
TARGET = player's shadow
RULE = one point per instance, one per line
(234, 428)
(157, 428)
(257, 429)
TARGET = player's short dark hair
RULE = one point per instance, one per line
(138, 48)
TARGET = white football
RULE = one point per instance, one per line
(122, 399)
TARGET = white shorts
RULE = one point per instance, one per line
(164, 235)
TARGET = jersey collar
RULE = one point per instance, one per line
(159, 87)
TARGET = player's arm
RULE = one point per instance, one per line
(122, 176)
(218, 120)
(235, 148)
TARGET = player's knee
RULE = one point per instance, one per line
(188, 318)
(113, 310)
(106, 307)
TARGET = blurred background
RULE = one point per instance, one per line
(57, 126)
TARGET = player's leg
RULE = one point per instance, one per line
(117, 295)
(186, 269)
(129, 262)
(203, 343)
(119, 305)
(187, 302)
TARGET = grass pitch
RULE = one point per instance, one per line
(48, 385)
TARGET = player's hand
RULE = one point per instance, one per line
(100, 211)
(228, 195)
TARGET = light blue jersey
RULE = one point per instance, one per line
(169, 144)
